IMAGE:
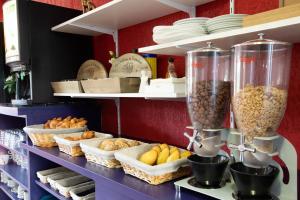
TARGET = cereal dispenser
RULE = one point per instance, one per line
(208, 100)
(260, 76)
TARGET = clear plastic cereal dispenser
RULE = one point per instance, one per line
(261, 70)
(208, 101)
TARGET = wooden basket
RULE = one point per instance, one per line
(111, 85)
(67, 87)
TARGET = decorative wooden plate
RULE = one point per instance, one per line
(91, 69)
(129, 65)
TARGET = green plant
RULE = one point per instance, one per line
(10, 82)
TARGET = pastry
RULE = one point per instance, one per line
(88, 135)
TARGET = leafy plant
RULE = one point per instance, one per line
(10, 82)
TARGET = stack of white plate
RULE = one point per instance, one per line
(182, 29)
(225, 23)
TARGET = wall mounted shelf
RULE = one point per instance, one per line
(118, 14)
(285, 30)
(174, 96)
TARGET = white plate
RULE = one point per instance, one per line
(178, 32)
(224, 29)
(225, 18)
(176, 38)
(223, 21)
(38, 128)
(224, 24)
(189, 20)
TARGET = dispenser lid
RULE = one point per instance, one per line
(262, 41)
(209, 49)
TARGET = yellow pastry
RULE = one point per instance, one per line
(174, 156)
(185, 154)
(149, 157)
(156, 148)
(162, 146)
(163, 156)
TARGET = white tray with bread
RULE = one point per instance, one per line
(102, 151)
(70, 143)
(155, 163)
(42, 134)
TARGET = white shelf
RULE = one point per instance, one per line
(119, 14)
(284, 30)
(122, 95)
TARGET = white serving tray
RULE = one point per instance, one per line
(65, 185)
(74, 192)
(130, 156)
(42, 175)
(52, 179)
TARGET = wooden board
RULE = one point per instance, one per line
(272, 15)
(129, 65)
(290, 2)
(91, 69)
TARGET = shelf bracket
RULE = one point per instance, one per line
(232, 7)
(191, 10)
(116, 40)
(117, 102)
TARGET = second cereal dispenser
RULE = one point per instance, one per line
(259, 98)
(208, 89)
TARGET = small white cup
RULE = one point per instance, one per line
(4, 159)
(20, 192)
(11, 183)
(25, 195)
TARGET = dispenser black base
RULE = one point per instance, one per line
(193, 182)
(237, 196)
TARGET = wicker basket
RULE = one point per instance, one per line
(159, 179)
(156, 174)
(73, 148)
(99, 156)
(44, 137)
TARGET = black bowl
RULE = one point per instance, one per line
(209, 171)
(252, 181)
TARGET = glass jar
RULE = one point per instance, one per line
(208, 86)
(259, 93)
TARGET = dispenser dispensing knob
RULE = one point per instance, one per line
(241, 148)
(192, 140)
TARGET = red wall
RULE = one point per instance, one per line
(165, 121)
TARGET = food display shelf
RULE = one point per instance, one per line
(51, 191)
(287, 30)
(8, 192)
(115, 179)
(16, 173)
